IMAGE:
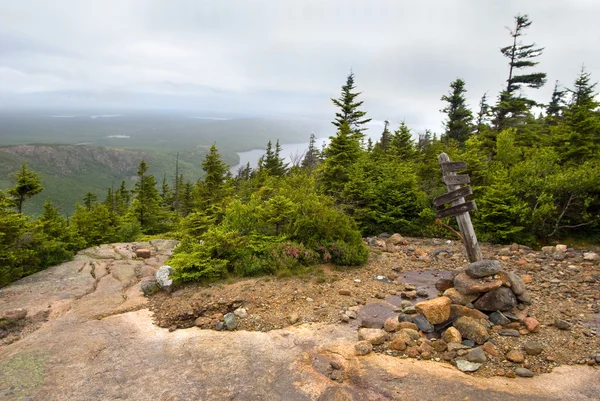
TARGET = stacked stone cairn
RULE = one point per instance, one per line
(456, 326)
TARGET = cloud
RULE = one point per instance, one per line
(279, 58)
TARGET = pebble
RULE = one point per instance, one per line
(476, 355)
(345, 292)
(499, 318)
(230, 321)
(515, 356)
(562, 325)
(423, 324)
(294, 318)
(509, 333)
(466, 366)
(523, 372)
(241, 313)
(422, 293)
(363, 348)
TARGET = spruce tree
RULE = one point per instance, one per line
(28, 184)
(459, 117)
(350, 113)
(89, 199)
(385, 141)
(271, 162)
(312, 156)
(343, 151)
(512, 107)
(402, 145)
(215, 170)
(146, 207)
(483, 114)
(557, 103)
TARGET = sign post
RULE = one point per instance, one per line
(459, 207)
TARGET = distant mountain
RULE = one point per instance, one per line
(70, 171)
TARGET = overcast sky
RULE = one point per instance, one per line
(279, 57)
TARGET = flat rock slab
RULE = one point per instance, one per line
(96, 350)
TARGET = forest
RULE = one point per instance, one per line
(534, 168)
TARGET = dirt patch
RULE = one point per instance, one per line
(564, 290)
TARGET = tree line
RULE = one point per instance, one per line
(535, 172)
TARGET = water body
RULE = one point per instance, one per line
(290, 152)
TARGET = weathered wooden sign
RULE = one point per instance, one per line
(458, 208)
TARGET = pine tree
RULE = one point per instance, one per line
(459, 121)
(557, 103)
(402, 145)
(512, 106)
(385, 141)
(271, 162)
(28, 184)
(312, 156)
(343, 151)
(350, 113)
(146, 203)
(483, 113)
(89, 200)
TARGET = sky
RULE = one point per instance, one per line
(279, 58)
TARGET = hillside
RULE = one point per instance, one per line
(70, 171)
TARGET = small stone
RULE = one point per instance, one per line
(410, 310)
(498, 318)
(363, 348)
(509, 333)
(403, 318)
(436, 310)
(149, 286)
(392, 324)
(408, 294)
(501, 299)
(309, 299)
(458, 298)
(471, 329)
(412, 352)
(443, 284)
(456, 347)
(510, 374)
(524, 298)
(143, 253)
(531, 324)
(422, 293)
(345, 292)
(483, 268)
(374, 336)
(230, 321)
(407, 325)
(439, 345)
(344, 318)
(372, 322)
(561, 248)
(548, 250)
(558, 256)
(423, 324)
(533, 348)
(203, 322)
(241, 313)
(468, 285)
(424, 347)
(591, 256)
(523, 372)
(466, 366)
(294, 318)
(352, 314)
(476, 355)
(459, 310)
(515, 356)
(219, 326)
(562, 325)
(452, 335)
(397, 344)
(469, 343)
(516, 283)
(396, 239)
(490, 349)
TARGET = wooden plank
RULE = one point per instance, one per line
(457, 179)
(453, 166)
(456, 210)
(464, 220)
(452, 196)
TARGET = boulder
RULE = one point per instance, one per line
(516, 283)
(436, 310)
(230, 321)
(149, 286)
(471, 329)
(459, 310)
(467, 285)
(483, 268)
(458, 298)
(373, 336)
(143, 253)
(452, 335)
(500, 299)
(162, 276)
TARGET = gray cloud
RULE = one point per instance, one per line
(279, 58)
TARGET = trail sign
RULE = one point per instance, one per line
(458, 208)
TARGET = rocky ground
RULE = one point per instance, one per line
(564, 315)
(83, 330)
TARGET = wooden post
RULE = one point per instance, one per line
(464, 219)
